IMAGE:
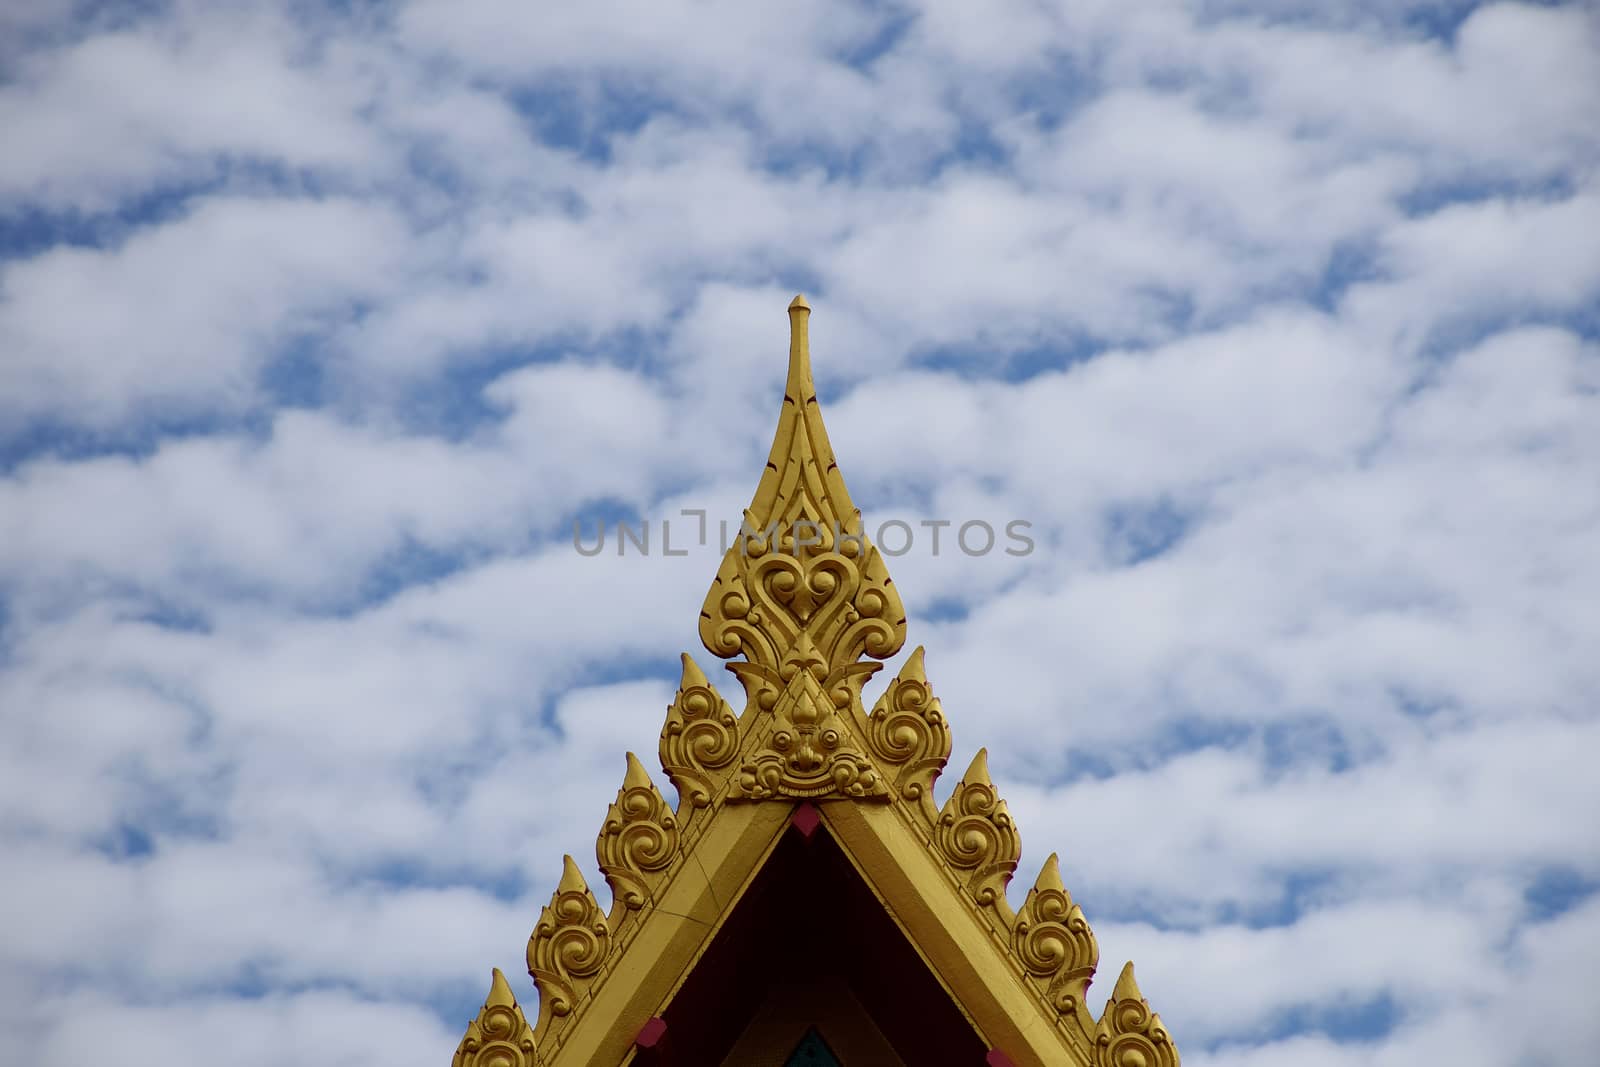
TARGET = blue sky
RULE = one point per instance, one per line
(320, 325)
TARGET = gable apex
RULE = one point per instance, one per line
(803, 611)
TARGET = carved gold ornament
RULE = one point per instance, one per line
(804, 611)
(976, 834)
(639, 839)
(1129, 1033)
(569, 945)
(500, 1036)
(700, 738)
(908, 735)
(1053, 940)
(803, 595)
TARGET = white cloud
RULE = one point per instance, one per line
(182, 316)
(152, 103)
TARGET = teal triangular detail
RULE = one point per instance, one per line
(812, 1051)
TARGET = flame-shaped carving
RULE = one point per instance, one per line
(500, 1036)
(802, 564)
(1129, 1033)
(639, 838)
(908, 735)
(975, 833)
(700, 737)
(1053, 940)
(568, 946)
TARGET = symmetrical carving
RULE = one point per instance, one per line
(975, 834)
(700, 738)
(1053, 941)
(804, 603)
(569, 945)
(805, 749)
(803, 595)
(1129, 1033)
(639, 839)
(908, 735)
(500, 1036)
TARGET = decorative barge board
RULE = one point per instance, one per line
(807, 901)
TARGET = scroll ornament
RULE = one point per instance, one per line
(807, 576)
(908, 734)
(568, 947)
(975, 833)
(500, 1036)
(700, 738)
(1053, 941)
(639, 839)
(1129, 1034)
(802, 580)
(804, 609)
(806, 750)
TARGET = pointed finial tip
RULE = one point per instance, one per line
(571, 878)
(1050, 876)
(500, 995)
(799, 303)
(636, 777)
(692, 674)
(1127, 987)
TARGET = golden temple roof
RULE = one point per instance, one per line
(804, 611)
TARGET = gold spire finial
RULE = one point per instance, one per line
(803, 595)
(799, 382)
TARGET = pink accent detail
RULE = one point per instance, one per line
(806, 819)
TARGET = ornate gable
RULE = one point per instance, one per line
(803, 609)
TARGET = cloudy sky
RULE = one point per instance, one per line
(319, 327)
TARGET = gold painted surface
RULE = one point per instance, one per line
(500, 1036)
(568, 947)
(1130, 1034)
(908, 735)
(1053, 941)
(977, 836)
(804, 609)
(803, 596)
